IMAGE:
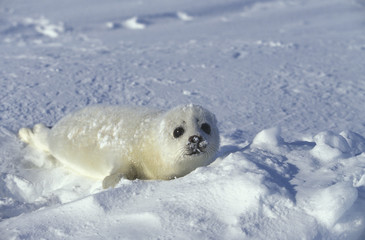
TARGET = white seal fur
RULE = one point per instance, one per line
(111, 142)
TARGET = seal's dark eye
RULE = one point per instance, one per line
(178, 132)
(206, 128)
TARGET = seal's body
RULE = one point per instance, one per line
(111, 142)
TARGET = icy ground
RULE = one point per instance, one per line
(286, 80)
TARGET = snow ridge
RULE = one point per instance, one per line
(251, 184)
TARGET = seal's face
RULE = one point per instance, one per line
(189, 138)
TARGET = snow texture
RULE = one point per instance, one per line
(286, 80)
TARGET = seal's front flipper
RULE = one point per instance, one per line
(25, 134)
(112, 180)
(37, 137)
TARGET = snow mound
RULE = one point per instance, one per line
(184, 16)
(134, 23)
(247, 193)
(45, 27)
(268, 139)
(330, 146)
(329, 204)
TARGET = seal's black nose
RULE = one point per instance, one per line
(196, 144)
(195, 139)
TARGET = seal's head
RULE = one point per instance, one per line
(189, 138)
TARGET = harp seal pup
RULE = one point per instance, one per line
(114, 142)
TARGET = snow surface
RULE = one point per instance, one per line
(285, 79)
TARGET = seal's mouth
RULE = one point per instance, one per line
(195, 152)
(196, 145)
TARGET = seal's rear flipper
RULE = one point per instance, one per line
(112, 180)
(38, 137)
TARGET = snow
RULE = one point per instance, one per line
(133, 23)
(285, 79)
(268, 139)
(184, 17)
